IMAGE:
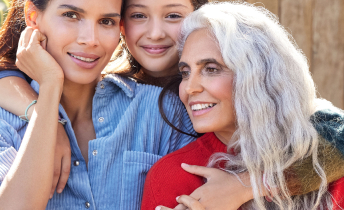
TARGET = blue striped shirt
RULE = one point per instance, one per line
(131, 137)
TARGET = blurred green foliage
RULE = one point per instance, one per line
(4, 4)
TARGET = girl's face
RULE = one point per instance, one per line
(151, 29)
(82, 35)
(207, 86)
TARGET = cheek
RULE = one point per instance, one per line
(182, 94)
(222, 89)
(110, 39)
(173, 31)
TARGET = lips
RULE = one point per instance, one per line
(156, 49)
(200, 108)
(84, 60)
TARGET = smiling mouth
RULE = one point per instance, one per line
(198, 107)
(88, 60)
(155, 49)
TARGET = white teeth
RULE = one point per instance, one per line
(197, 107)
(89, 60)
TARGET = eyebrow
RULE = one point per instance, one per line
(168, 5)
(72, 7)
(203, 61)
(77, 9)
(208, 60)
(182, 64)
(136, 5)
(175, 5)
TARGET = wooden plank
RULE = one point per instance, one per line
(271, 5)
(296, 17)
(328, 53)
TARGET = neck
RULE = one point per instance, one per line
(225, 136)
(173, 70)
(77, 100)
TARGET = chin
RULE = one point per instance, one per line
(82, 78)
(199, 128)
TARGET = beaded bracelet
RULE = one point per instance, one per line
(26, 119)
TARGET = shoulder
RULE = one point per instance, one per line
(193, 153)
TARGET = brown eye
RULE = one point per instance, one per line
(71, 15)
(174, 16)
(108, 22)
(212, 70)
(137, 16)
(184, 74)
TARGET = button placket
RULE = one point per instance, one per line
(95, 152)
(76, 163)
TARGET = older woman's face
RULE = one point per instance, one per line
(206, 88)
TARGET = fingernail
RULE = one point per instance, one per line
(177, 198)
(158, 208)
(59, 191)
(51, 196)
(185, 165)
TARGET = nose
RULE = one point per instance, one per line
(194, 84)
(155, 29)
(88, 34)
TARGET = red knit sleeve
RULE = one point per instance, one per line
(148, 199)
(166, 179)
(337, 191)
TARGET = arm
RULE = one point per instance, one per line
(300, 177)
(15, 96)
(29, 175)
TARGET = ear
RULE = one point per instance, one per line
(121, 25)
(31, 14)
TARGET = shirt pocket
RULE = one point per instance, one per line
(135, 168)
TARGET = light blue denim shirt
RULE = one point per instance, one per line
(131, 137)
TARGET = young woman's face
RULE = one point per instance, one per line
(207, 86)
(82, 35)
(151, 29)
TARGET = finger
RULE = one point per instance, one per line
(65, 170)
(22, 35)
(57, 171)
(37, 38)
(44, 44)
(26, 36)
(180, 207)
(198, 170)
(162, 208)
(190, 202)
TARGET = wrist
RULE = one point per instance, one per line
(53, 76)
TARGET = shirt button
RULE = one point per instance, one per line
(95, 152)
(76, 163)
(102, 86)
(87, 205)
(101, 119)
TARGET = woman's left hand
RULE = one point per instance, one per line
(186, 203)
(222, 191)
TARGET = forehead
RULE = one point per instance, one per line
(201, 44)
(101, 6)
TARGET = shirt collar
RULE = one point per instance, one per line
(127, 85)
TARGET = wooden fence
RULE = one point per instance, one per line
(318, 28)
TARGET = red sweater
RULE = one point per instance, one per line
(166, 179)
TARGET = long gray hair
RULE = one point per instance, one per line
(274, 97)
